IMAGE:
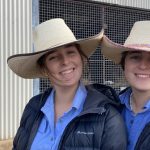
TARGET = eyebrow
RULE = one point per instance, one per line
(135, 52)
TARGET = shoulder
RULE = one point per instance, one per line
(106, 90)
(114, 127)
(104, 94)
(34, 105)
(125, 90)
(38, 100)
(114, 122)
(113, 113)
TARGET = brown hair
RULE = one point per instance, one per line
(122, 62)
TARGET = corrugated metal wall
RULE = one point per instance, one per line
(15, 37)
(133, 3)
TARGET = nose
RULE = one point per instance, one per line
(65, 59)
(144, 64)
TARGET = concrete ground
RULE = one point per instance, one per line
(6, 144)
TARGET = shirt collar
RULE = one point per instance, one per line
(48, 108)
(50, 100)
(125, 97)
(79, 97)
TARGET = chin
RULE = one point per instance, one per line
(144, 89)
(70, 83)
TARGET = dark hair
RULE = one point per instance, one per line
(122, 62)
(85, 61)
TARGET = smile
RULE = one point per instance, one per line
(143, 75)
(68, 71)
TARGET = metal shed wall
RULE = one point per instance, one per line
(15, 37)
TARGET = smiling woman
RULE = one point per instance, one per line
(137, 70)
(134, 57)
(69, 115)
(63, 66)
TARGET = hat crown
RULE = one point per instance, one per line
(139, 35)
(52, 33)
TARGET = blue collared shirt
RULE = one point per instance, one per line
(135, 123)
(49, 134)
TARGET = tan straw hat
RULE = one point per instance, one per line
(47, 36)
(138, 40)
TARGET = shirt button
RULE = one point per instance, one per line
(60, 120)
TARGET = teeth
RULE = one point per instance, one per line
(143, 75)
(67, 71)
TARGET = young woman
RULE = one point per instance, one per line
(70, 115)
(134, 58)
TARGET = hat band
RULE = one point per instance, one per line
(139, 46)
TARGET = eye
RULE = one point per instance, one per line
(50, 58)
(135, 56)
(72, 52)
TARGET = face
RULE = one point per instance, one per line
(137, 70)
(64, 66)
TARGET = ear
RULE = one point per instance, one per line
(45, 72)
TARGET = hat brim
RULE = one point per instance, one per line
(113, 51)
(25, 65)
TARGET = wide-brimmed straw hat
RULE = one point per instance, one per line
(48, 36)
(138, 40)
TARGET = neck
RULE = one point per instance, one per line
(63, 99)
(139, 99)
(65, 94)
